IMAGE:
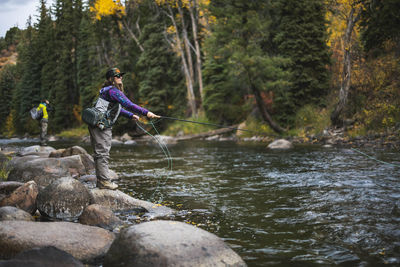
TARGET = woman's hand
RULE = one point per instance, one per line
(135, 117)
(151, 115)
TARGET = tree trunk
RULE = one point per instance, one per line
(207, 134)
(336, 116)
(189, 84)
(187, 44)
(264, 112)
(134, 37)
(197, 49)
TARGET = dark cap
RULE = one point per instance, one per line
(113, 72)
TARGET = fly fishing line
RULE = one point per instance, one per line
(167, 154)
(377, 160)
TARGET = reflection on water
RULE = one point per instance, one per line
(308, 206)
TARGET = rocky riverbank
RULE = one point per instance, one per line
(51, 213)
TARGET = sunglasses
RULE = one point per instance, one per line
(118, 76)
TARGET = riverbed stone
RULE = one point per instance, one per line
(9, 213)
(9, 186)
(65, 199)
(116, 142)
(126, 137)
(280, 144)
(119, 201)
(24, 197)
(42, 257)
(97, 215)
(41, 151)
(86, 243)
(87, 159)
(45, 170)
(130, 143)
(169, 243)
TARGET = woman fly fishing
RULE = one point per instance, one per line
(108, 105)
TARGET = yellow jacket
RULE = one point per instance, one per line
(42, 106)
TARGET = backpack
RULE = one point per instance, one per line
(103, 114)
(36, 114)
(92, 116)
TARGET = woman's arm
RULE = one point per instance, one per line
(121, 98)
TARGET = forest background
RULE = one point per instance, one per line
(292, 67)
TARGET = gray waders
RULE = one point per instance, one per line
(43, 131)
(101, 143)
(101, 135)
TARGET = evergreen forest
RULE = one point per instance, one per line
(289, 66)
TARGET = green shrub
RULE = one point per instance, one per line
(312, 119)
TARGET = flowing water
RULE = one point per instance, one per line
(308, 206)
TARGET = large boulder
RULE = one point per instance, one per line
(41, 151)
(169, 243)
(87, 159)
(45, 170)
(24, 197)
(100, 216)
(88, 244)
(42, 257)
(280, 144)
(14, 214)
(65, 199)
(119, 201)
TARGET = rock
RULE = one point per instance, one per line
(53, 138)
(65, 198)
(45, 170)
(169, 243)
(119, 201)
(24, 197)
(116, 142)
(41, 151)
(100, 216)
(57, 153)
(88, 244)
(43, 257)
(126, 137)
(88, 180)
(65, 152)
(14, 214)
(87, 160)
(130, 143)
(8, 187)
(280, 144)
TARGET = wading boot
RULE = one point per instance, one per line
(104, 184)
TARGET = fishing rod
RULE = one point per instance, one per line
(211, 124)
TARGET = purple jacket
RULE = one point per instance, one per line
(112, 94)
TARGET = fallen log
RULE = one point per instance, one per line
(207, 134)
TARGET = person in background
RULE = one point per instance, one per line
(44, 106)
(111, 99)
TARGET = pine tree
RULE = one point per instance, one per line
(158, 73)
(380, 23)
(238, 62)
(64, 94)
(88, 68)
(8, 82)
(301, 36)
(27, 93)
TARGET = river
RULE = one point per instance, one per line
(307, 206)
